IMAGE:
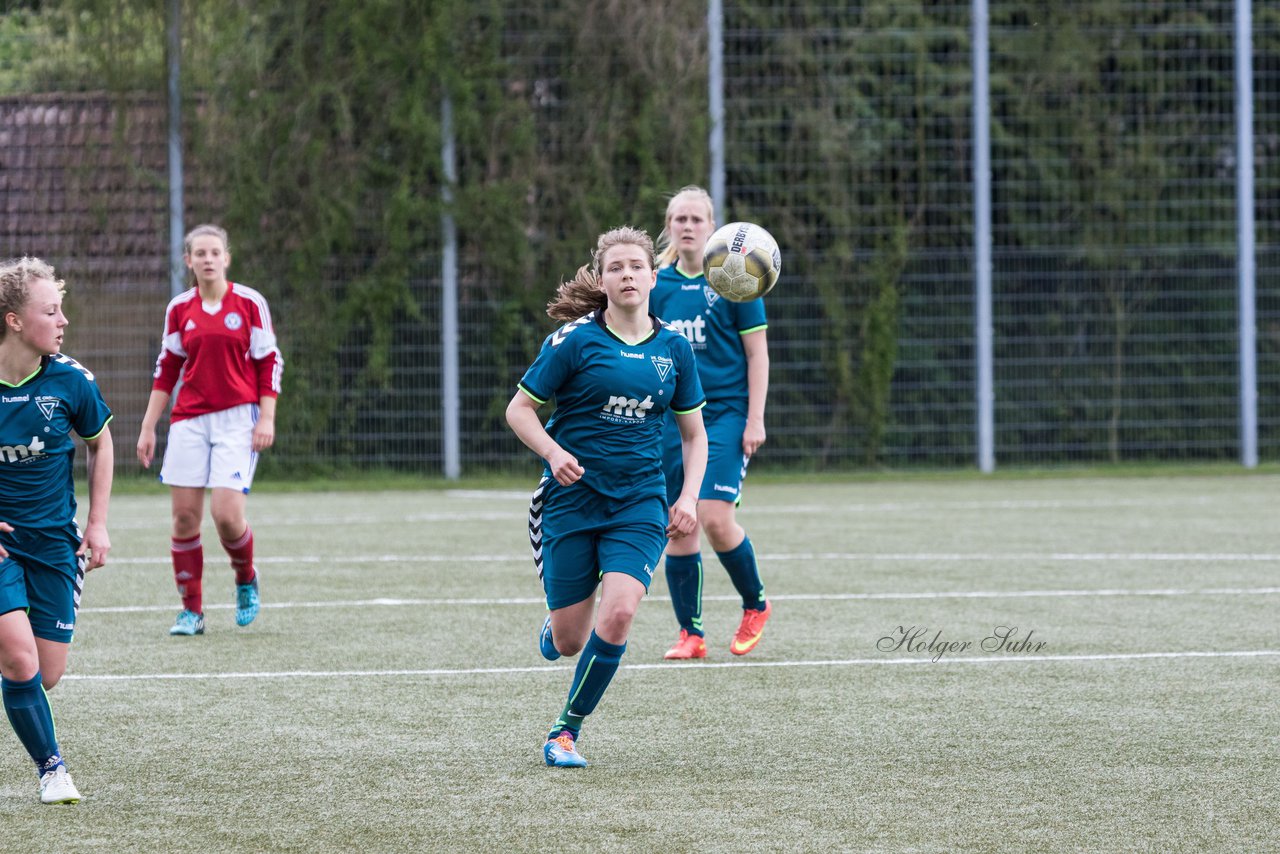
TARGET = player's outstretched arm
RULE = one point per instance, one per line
(100, 464)
(756, 348)
(264, 431)
(156, 405)
(693, 446)
(522, 416)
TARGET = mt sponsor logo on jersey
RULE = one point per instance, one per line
(22, 453)
(48, 405)
(695, 330)
(622, 409)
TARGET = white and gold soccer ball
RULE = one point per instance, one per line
(741, 261)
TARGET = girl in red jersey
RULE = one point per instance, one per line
(219, 340)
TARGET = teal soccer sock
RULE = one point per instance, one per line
(28, 709)
(596, 666)
(745, 575)
(684, 580)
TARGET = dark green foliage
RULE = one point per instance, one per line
(329, 147)
(849, 131)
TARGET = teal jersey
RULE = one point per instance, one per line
(611, 397)
(37, 451)
(714, 327)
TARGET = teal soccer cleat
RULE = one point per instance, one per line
(247, 601)
(188, 623)
(545, 645)
(561, 752)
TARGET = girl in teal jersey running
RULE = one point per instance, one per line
(43, 553)
(599, 517)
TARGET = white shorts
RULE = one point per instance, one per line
(213, 450)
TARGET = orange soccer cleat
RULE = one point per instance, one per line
(750, 629)
(688, 646)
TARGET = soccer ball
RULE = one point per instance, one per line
(741, 261)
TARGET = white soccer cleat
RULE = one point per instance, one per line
(56, 787)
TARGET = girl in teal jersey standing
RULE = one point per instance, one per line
(729, 342)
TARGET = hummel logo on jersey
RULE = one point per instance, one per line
(695, 330)
(191, 324)
(631, 355)
(22, 453)
(48, 405)
(17, 398)
(663, 364)
(628, 407)
(710, 294)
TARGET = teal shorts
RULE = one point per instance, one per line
(578, 535)
(43, 576)
(726, 464)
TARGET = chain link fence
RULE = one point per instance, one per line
(849, 136)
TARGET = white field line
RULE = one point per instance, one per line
(846, 662)
(782, 557)
(963, 504)
(264, 519)
(393, 602)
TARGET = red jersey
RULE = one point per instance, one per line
(228, 350)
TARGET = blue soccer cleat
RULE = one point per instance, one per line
(247, 601)
(545, 645)
(561, 752)
(188, 623)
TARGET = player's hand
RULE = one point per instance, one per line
(752, 437)
(684, 518)
(8, 529)
(264, 434)
(96, 544)
(564, 467)
(146, 447)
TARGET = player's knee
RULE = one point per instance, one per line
(723, 531)
(186, 523)
(19, 665)
(230, 527)
(614, 624)
(568, 646)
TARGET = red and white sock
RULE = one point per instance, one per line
(241, 553)
(188, 571)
